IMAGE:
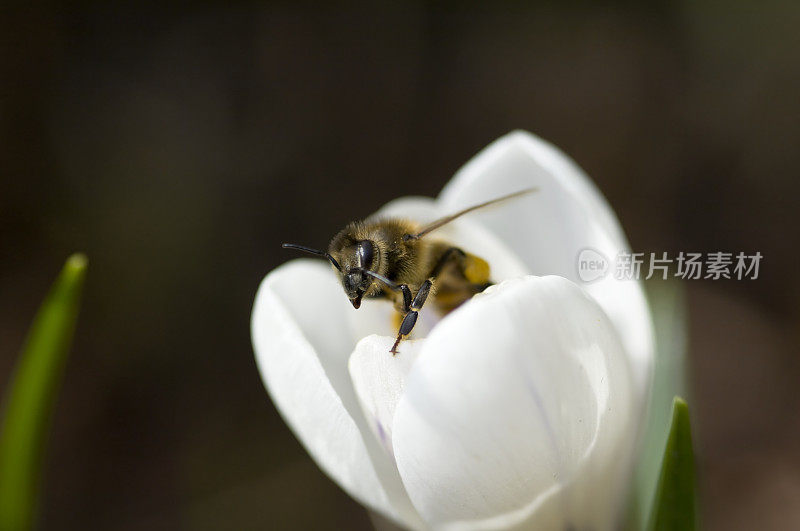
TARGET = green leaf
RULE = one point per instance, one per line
(674, 504)
(31, 395)
(667, 301)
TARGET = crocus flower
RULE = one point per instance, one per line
(518, 410)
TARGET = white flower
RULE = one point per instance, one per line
(520, 409)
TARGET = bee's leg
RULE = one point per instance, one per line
(407, 300)
(421, 296)
(405, 328)
(448, 255)
(410, 319)
(409, 313)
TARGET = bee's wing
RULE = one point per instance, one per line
(447, 219)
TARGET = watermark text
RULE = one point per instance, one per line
(593, 265)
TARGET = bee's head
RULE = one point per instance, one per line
(355, 284)
(356, 261)
(354, 279)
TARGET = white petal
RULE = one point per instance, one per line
(299, 328)
(379, 381)
(550, 228)
(519, 412)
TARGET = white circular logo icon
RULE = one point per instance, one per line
(592, 265)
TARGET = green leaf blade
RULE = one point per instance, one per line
(674, 506)
(669, 309)
(31, 395)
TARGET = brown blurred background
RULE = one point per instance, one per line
(178, 147)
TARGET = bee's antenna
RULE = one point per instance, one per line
(312, 251)
(382, 278)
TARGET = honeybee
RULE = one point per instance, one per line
(393, 258)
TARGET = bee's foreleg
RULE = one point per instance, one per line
(422, 294)
(407, 300)
(405, 328)
(413, 308)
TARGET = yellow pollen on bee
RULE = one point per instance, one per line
(476, 270)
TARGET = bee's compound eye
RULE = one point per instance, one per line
(366, 253)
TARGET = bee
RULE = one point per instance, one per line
(394, 259)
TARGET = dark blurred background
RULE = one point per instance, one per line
(178, 147)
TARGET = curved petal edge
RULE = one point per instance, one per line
(519, 413)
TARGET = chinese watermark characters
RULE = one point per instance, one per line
(593, 265)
